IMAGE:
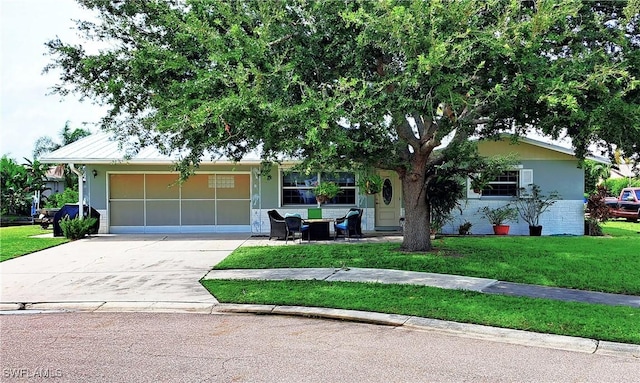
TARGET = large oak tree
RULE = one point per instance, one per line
(341, 83)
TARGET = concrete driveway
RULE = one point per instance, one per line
(118, 268)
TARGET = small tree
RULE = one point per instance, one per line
(597, 211)
(532, 204)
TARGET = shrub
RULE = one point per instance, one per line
(597, 210)
(615, 185)
(58, 200)
(76, 228)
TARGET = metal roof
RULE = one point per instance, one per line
(101, 148)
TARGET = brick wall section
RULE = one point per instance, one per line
(564, 217)
(104, 221)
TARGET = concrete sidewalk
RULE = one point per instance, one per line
(457, 282)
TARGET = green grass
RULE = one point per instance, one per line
(611, 323)
(18, 240)
(610, 263)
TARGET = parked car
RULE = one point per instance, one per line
(627, 205)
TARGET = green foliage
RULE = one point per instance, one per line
(19, 183)
(58, 200)
(593, 172)
(326, 190)
(46, 144)
(76, 228)
(465, 228)
(370, 182)
(488, 169)
(499, 215)
(615, 185)
(374, 83)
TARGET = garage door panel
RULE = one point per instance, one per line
(163, 213)
(126, 186)
(198, 212)
(233, 213)
(198, 186)
(126, 213)
(232, 186)
(162, 186)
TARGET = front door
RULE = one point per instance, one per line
(388, 202)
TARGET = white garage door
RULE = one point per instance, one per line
(156, 203)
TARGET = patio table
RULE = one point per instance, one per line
(319, 229)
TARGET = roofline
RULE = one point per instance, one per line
(89, 161)
(556, 148)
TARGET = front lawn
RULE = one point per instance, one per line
(610, 263)
(19, 240)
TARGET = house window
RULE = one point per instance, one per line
(505, 185)
(297, 188)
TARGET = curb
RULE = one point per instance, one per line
(472, 331)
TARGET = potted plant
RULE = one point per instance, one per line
(465, 228)
(325, 191)
(531, 204)
(370, 183)
(498, 216)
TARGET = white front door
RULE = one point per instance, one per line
(388, 201)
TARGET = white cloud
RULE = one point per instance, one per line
(27, 111)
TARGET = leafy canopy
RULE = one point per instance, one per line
(343, 83)
(325, 80)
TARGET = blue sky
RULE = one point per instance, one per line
(27, 112)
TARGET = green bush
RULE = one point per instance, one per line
(76, 228)
(58, 200)
(615, 185)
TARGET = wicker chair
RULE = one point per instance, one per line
(295, 225)
(358, 225)
(278, 226)
(349, 226)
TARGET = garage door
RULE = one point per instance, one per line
(156, 203)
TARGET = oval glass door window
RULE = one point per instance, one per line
(387, 191)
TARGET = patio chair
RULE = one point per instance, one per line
(278, 226)
(358, 227)
(349, 226)
(294, 225)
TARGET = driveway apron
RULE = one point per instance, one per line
(118, 268)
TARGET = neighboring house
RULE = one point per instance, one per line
(623, 171)
(55, 180)
(140, 194)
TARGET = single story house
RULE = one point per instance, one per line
(140, 193)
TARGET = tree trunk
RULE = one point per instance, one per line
(416, 212)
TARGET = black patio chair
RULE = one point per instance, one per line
(294, 225)
(348, 227)
(358, 227)
(278, 226)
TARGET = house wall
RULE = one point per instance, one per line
(265, 193)
(266, 196)
(552, 171)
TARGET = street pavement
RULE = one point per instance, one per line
(161, 273)
(171, 347)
